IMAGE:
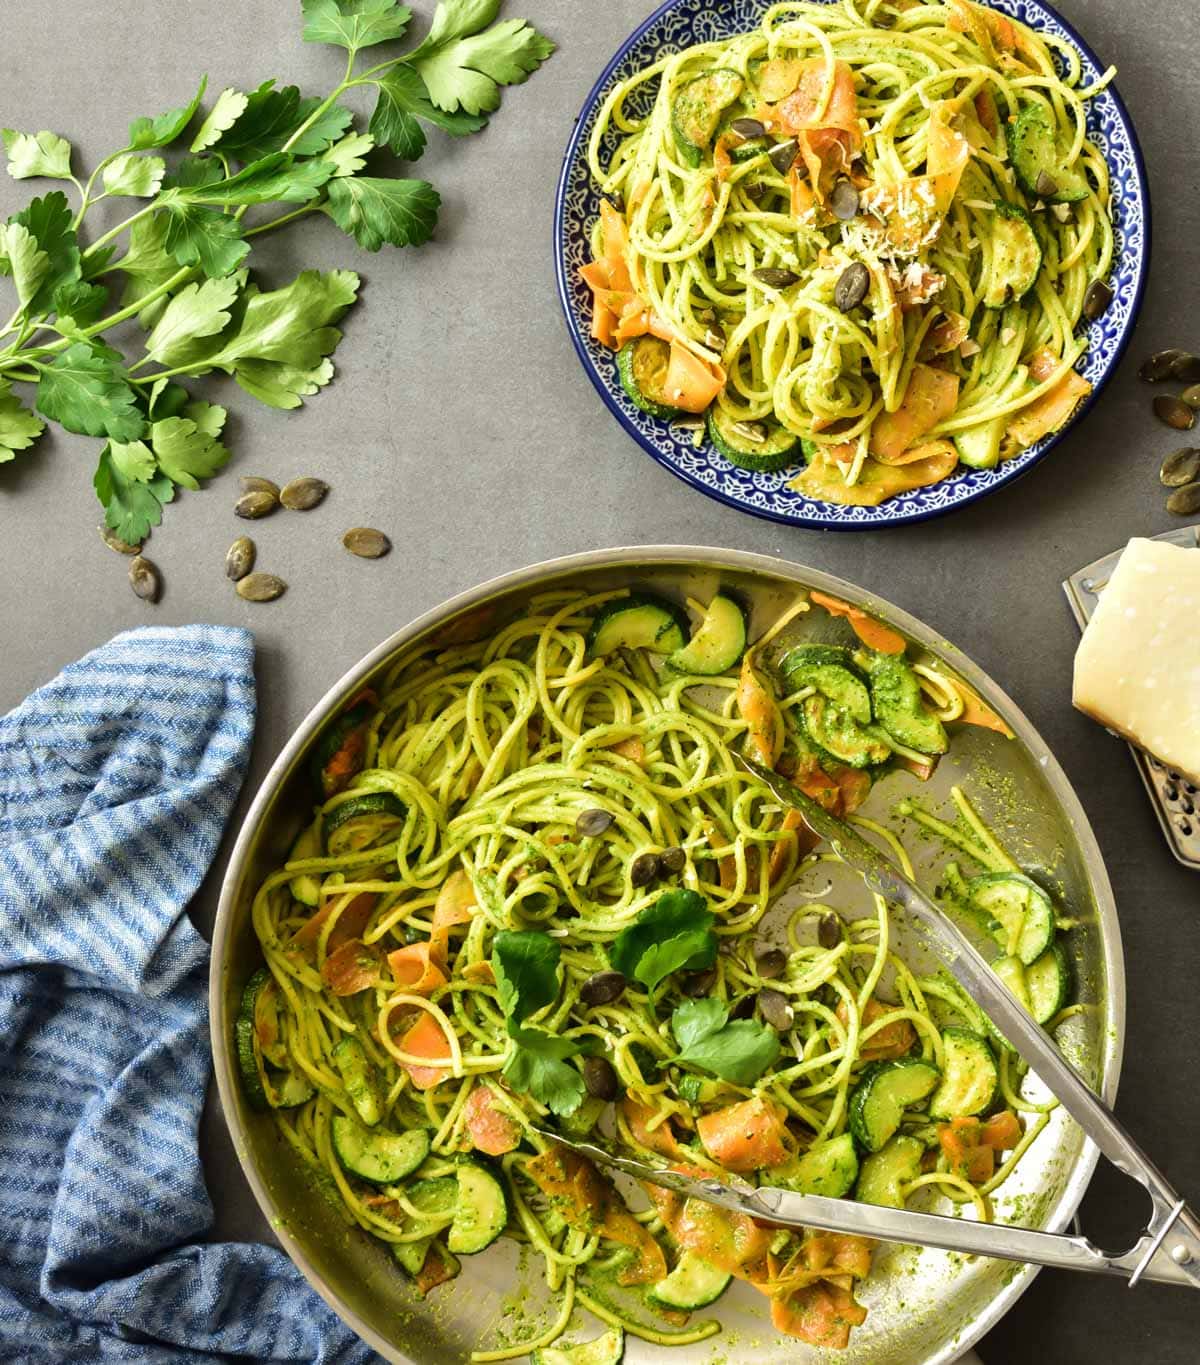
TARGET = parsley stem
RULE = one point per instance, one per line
(23, 377)
(120, 227)
(283, 218)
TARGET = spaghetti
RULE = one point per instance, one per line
(873, 256)
(387, 1006)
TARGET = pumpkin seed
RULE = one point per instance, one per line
(1063, 212)
(616, 199)
(302, 495)
(114, 541)
(746, 128)
(1174, 411)
(1156, 368)
(239, 559)
(844, 201)
(751, 431)
(599, 1078)
(770, 962)
(602, 988)
(1096, 300)
(1186, 368)
(829, 931)
(1045, 186)
(257, 503)
(753, 190)
(673, 860)
(696, 984)
(260, 587)
(1191, 395)
(851, 287)
(366, 542)
(251, 483)
(777, 279)
(743, 1008)
(775, 1009)
(715, 338)
(1180, 467)
(708, 316)
(783, 154)
(1185, 501)
(144, 579)
(644, 869)
(590, 823)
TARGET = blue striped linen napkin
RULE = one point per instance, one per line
(116, 780)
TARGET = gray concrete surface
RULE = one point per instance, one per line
(461, 423)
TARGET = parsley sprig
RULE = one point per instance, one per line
(256, 161)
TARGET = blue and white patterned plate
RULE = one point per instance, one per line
(680, 23)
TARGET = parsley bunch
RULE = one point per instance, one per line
(183, 270)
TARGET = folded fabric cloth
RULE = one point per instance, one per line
(116, 781)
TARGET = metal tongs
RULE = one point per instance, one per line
(1167, 1251)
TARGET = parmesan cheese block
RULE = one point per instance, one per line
(1138, 666)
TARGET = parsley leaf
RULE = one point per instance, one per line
(145, 133)
(48, 219)
(201, 236)
(374, 211)
(186, 451)
(79, 304)
(403, 100)
(23, 259)
(31, 154)
(147, 264)
(281, 386)
(19, 427)
(463, 68)
(526, 967)
(538, 1066)
(354, 24)
(228, 107)
(197, 311)
(85, 390)
(292, 324)
(675, 932)
(132, 459)
(131, 507)
(323, 131)
(739, 1052)
(139, 176)
(268, 120)
(347, 156)
(272, 178)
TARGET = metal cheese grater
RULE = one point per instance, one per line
(1176, 800)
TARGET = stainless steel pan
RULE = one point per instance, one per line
(925, 1307)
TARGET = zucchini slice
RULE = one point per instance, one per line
(381, 1158)
(410, 1256)
(638, 622)
(1011, 970)
(742, 152)
(896, 700)
(719, 641)
(358, 1076)
(1016, 912)
(1048, 981)
(606, 1350)
(692, 1284)
(830, 670)
(360, 821)
(883, 1172)
(246, 1042)
(828, 1168)
(1034, 152)
(480, 1212)
(838, 733)
(970, 1078)
(305, 887)
(878, 1101)
(979, 447)
(1016, 257)
(256, 1041)
(697, 111)
(344, 740)
(642, 369)
(762, 447)
(435, 1200)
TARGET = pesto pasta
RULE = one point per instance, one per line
(858, 239)
(537, 892)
